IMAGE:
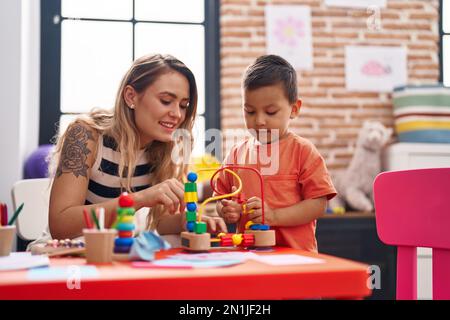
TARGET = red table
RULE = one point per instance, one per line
(336, 278)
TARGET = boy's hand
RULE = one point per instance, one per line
(255, 203)
(231, 211)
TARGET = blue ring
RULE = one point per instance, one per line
(121, 249)
(124, 242)
(125, 226)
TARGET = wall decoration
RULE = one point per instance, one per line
(288, 34)
(356, 3)
(375, 68)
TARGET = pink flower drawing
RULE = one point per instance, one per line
(288, 31)
(374, 68)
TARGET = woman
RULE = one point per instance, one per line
(105, 153)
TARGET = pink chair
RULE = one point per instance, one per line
(413, 210)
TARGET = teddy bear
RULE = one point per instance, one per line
(354, 185)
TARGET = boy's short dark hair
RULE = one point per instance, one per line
(269, 70)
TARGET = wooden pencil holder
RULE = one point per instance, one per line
(99, 245)
(7, 234)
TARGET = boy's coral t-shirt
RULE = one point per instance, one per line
(298, 173)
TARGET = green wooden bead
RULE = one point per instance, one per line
(125, 211)
(191, 216)
(190, 187)
(200, 227)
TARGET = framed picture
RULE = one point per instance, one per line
(375, 68)
(356, 3)
(288, 34)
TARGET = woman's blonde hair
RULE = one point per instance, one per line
(120, 125)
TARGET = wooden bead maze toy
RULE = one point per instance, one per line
(196, 237)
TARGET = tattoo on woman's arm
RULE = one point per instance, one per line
(74, 152)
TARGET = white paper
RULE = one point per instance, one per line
(375, 68)
(212, 256)
(177, 263)
(288, 34)
(22, 260)
(272, 259)
(356, 3)
(287, 259)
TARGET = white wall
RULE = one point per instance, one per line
(30, 76)
(19, 89)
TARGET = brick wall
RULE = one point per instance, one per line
(331, 116)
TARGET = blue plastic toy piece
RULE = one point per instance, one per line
(190, 226)
(191, 206)
(259, 226)
(255, 226)
(192, 176)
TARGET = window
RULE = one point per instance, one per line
(87, 46)
(444, 31)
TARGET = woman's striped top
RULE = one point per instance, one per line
(104, 181)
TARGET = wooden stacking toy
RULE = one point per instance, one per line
(125, 224)
(195, 238)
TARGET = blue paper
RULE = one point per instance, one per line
(145, 246)
(63, 273)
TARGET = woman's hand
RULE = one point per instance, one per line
(169, 193)
(214, 224)
(255, 203)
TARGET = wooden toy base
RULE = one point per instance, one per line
(121, 257)
(59, 251)
(195, 242)
(264, 238)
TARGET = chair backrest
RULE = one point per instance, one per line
(33, 219)
(412, 210)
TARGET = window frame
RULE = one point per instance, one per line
(50, 66)
(441, 42)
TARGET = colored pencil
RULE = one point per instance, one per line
(86, 219)
(94, 217)
(16, 214)
(101, 218)
(117, 218)
(4, 214)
